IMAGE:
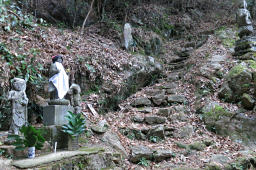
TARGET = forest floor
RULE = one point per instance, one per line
(42, 42)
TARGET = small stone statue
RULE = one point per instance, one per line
(19, 101)
(128, 40)
(58, 82)
(75, 98)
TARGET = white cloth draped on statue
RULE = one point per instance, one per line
(60, 81)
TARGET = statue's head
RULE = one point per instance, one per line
(57, 58)
(19, 84)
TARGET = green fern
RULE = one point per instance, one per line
(75, 126)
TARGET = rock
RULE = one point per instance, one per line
(178, 117)
(166, 112)
(128, 40)
(219, 159)
(171, 91)
(99, 129)
(169, 86)
(162, 154)
(138, 152)
(145, 110)
(239, 79)
(247, 101)
(226, 93)
(53, 157)
(138, 119)
(154, 120)
(155, 92)
(159, 99)
(157, 131)
(143, 101)
(185, 132)
(113, 140)
(245, 45)
(245, 30)
(154, 47)
(177, 99)
(9, 150)
(198, 146)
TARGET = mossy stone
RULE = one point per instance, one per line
(198, 146)
(247, 101)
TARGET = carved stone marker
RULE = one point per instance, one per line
(19, 101)
(128, 40)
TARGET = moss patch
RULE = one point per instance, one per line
(198, 146)
(217, 112)
(92, 150)
(238, 69)
(251, 63)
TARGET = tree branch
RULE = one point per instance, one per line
(82, 29)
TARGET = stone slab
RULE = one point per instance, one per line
(55, 114)
(53, 157)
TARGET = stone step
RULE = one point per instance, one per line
(157, 155)
(69, 160)
(159, 132)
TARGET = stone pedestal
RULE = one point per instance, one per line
(55, 134)
(55, 114)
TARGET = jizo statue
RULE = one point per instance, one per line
(19, 101)
(58, 82)
(75, 98)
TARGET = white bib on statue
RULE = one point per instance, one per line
(60, 81)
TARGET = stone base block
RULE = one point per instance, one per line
(55, 114)
(54, 134)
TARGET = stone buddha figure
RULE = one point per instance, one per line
(19, 101)
(58, 82)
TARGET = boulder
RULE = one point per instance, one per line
(138, 152)
(239, 80)
(142, 101)
(138, 119)
(154, 92)
(247, 101)
(157, 131)
(166, 112)
(145, 110)
(113, 140)
(154, 120)
(159, 100)
(176, 99)
(162, 154)
(184, 132)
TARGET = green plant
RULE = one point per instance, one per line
(31, 137)
(75, 126)
(144, 162)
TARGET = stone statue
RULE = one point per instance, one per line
(128, 40)
(75, 98)
(58, 82)
(19, 101)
